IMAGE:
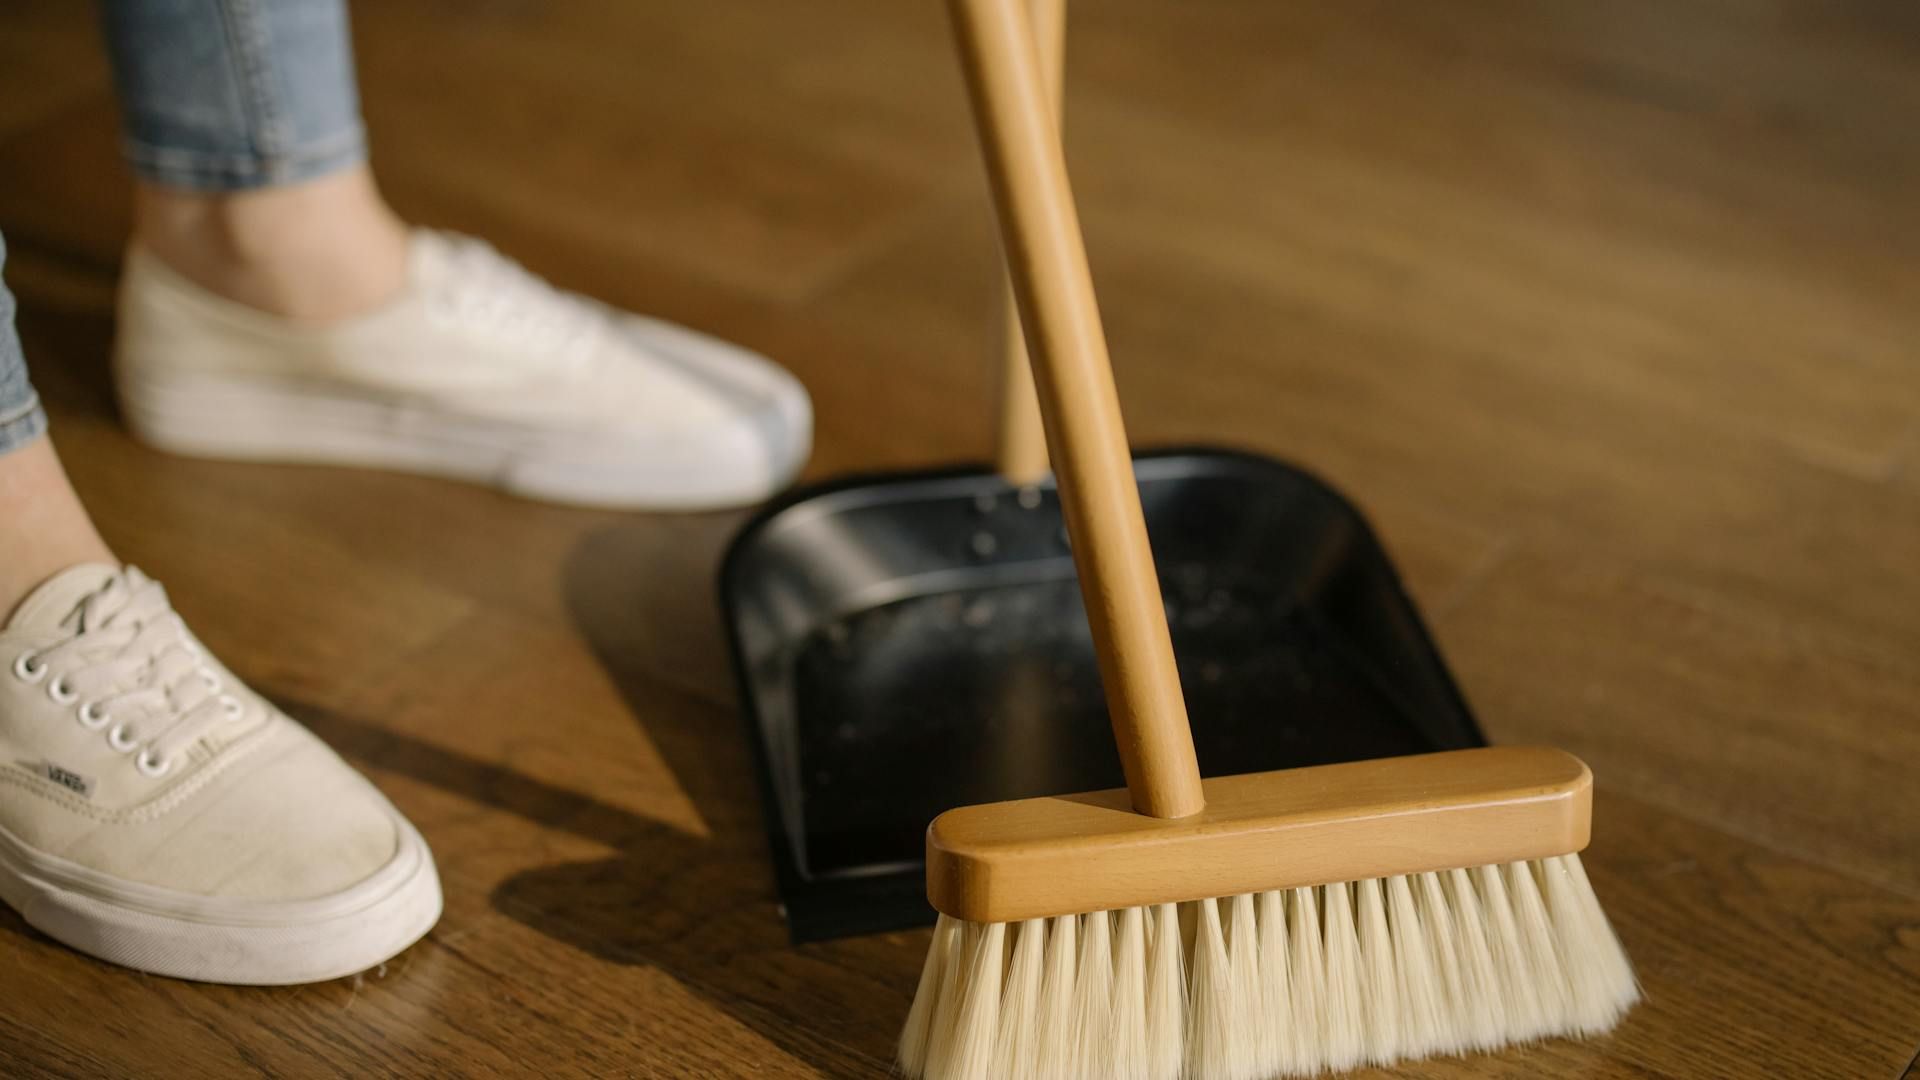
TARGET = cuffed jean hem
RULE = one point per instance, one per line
(195, 170)
(21, 425)
(224, 95)
(21, 417)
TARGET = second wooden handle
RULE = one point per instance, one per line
(1023, 441)
(1080, 405)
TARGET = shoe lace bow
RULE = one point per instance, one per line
(484, 290)
(131, 669)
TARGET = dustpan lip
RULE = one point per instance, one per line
(764, 517)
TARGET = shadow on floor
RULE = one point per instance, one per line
(639, 592)
(700, 910)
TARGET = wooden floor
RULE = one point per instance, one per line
(1609, 315)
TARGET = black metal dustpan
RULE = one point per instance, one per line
(909, 643)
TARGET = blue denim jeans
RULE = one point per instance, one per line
(215, 95)
(21, 419)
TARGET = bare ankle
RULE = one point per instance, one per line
(317, 251)
(43, 527)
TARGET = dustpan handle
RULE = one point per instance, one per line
(1023, 441)
(1081, 409)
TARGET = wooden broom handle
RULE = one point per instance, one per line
(1081, 408)
(1023, 441)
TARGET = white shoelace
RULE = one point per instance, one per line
(484, 290)
(131, 670)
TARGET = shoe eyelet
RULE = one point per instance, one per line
(231, 706)
(151, 766)
(211, 680)
(27, 671)
(60, 691)
(118, 739)
(91, 716)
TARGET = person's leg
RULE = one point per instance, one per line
(315, 251)
(275, 309)
(43, 528)
(243, 129)
(121, 737)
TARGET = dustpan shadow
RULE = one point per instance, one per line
(695, 909)
(641, 593)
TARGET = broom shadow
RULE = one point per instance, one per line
(664, 902)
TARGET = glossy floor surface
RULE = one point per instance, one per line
(1608, 315)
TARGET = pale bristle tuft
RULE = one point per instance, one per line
(1453, 1007)
(1018, 1042)
(1308, 972)
(916, 1038)
(1483, 1010)
(1526, 1015)
(1613, 958)
(1209, 1029)
(1056, 997)
(1311, 980)
(1379, 995)
(1129, 1059)
(979, 1019)
(1422, 995)
(1277, 1052)
(1341, 1031)
(1601, 979)
(1244, 991)
(1093, 998)
(1536, 936)
(1166, 997)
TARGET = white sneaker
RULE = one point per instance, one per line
(479, 371)
(156, 813)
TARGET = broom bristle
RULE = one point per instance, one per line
(1276, 985)
(1093, 998)
(1481, 1011)
(1308, 976)
(1129, 1053)
(1222, 1031)
(918, 1034)
(1207, 1032)
(1423, 1028)
(1055, 1054)
(1166, 996)
(972, 1051)
(1019, 1038)
(1279, 983)
(1380, 994)
(1340, 1033)
(1246, 1000)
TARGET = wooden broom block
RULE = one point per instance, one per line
(1032, 858)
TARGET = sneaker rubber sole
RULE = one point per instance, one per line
(262, 419)
(208, 939)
